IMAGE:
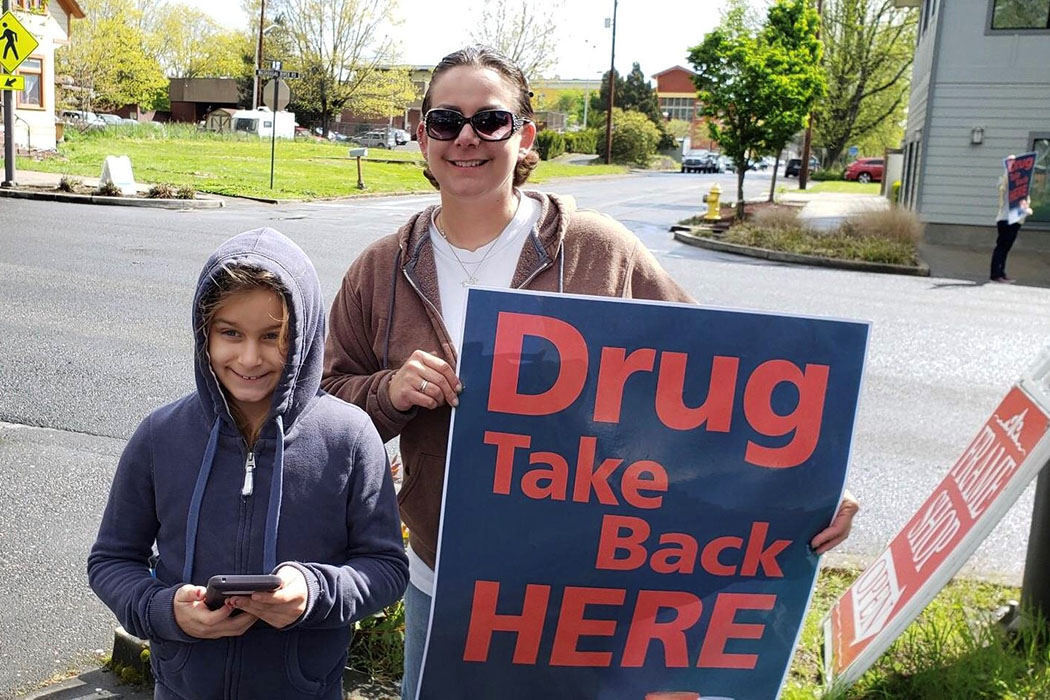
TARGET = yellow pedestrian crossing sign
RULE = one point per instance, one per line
(16, 43)
(12, 82)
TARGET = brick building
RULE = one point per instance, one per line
(677, 96)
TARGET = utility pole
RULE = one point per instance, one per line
(258, 54)
(9, 127)
(807, 141)
(612, 91)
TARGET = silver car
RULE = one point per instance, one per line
(377, 139)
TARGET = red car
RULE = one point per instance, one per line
(865, 170)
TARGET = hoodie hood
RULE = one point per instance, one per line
(299, 383)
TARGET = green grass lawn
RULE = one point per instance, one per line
(844, 186)
(303, 169)
(953, 650)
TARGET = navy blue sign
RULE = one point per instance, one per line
(630, 494)
(1019, 171)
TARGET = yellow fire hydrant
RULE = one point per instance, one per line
(714, 210)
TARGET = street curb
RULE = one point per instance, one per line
(70, 198)
(685, 235)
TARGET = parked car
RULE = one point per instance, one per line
(401, 137)
(82, 119)
(695, 161)
(377, 139)
(865, 170)
(111, 119)
(795, 164)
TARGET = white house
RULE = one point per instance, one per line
(980, 91)
(50, 22)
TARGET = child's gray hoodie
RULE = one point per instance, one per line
(321, 498)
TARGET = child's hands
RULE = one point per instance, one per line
(279, 608)
(194, 618)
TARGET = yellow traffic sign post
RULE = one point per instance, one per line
(15, 83)
(16, 45)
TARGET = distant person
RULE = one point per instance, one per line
(398, 318)
(257, 472)
(1007, 232)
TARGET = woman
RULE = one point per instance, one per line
(398, 316)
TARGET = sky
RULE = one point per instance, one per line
(655, 33)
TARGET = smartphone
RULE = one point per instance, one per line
(220, 587)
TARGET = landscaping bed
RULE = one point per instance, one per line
(888, 237)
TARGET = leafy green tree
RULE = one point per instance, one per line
(108, 59)
(633, 93)
(634, 138)
(343, 53)
(869, 46)
(756, 85)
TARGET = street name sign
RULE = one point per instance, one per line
(16, 43)
(628, 507)
(1007, 453)
(271, 73)
(12, 82)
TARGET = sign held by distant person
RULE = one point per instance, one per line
(1019, 171)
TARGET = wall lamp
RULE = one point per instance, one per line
(977, 135)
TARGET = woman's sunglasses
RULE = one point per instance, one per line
(489, 124)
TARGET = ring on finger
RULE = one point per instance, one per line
(423, 386)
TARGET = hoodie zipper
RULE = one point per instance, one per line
(249, 475)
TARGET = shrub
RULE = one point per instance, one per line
(827, 174)
(777, 218)
(585, 141)
(161, 190)
(549, 144)
(634, 139)
(108, 189)
(186, 192)
(69, 183)
(893, 224)
(378, 644)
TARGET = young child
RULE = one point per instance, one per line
(257, 472)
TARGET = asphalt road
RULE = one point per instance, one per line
(95, 333)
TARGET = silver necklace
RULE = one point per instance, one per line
(471, 278)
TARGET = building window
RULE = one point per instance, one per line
(1020, 14)
(37, 7)
(33, 96)
(1039, 191)
(683, 108)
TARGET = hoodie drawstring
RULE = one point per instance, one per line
(273, 510)
(198, 497)
(390, 312)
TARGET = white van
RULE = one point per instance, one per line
(261, 122)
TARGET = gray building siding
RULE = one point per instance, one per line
(998, 81)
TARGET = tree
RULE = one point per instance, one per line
(108, 58)
(634, 138)
(868, 54)
(189, 44)
(525, 31)
(756, 86)
(633, 93)
(342, 56)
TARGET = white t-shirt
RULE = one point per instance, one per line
(491, 265)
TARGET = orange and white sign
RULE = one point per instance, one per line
(1007, 453)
